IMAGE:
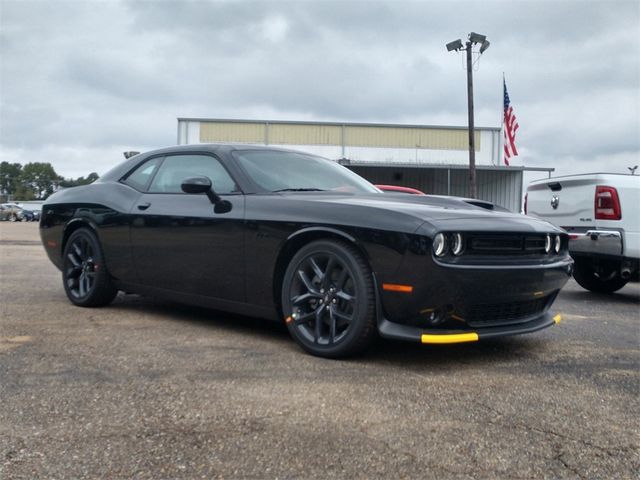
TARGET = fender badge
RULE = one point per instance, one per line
(555, 201)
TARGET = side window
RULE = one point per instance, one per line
(139, 178)
(176, 168)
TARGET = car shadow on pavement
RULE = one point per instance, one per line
(381, 351)
(203, 316)
(508, 349)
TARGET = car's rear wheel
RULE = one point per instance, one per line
(603, 277)
(13, 218)
(328, 299)
(85, 277)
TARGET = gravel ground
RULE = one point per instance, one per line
(149, 389)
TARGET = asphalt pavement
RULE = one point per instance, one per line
(152, 390)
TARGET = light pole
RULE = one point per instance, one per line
(456, 45)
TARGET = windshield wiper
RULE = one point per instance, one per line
(299, 190)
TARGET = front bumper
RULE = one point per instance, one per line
(398, 331)
(472, 297)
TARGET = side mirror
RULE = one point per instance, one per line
(195, 185)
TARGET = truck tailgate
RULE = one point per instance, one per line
(565, 202)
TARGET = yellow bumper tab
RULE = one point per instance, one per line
(450, 338)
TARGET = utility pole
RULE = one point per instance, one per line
(473, 190)
(474, 38)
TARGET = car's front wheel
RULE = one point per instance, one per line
(328, 299)
(86, 280)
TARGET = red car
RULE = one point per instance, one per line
(399, 189)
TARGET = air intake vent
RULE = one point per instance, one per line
(493, 314)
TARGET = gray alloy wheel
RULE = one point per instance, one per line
(84, 275)
(328, 299)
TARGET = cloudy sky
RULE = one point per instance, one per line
(82, 81)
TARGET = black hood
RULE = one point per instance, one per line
(434, 212)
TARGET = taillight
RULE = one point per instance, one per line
(607, 203)
(526, 197)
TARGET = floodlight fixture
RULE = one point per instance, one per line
(455, 45)
(477, 37)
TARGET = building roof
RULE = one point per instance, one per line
(334, 124)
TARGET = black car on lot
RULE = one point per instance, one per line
(301, 239)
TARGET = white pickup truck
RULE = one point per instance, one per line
(601, 213)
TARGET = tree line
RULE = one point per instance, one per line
(35, 181)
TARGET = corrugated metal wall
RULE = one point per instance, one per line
(211, 132)
(502, 187)
(398, 137)
(377, 136)
(290, 134)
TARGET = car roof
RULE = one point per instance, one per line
(217, 148)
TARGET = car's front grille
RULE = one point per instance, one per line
(491, 314)
(485, 244)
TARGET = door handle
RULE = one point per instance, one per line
(144, 206)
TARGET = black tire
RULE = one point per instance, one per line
(602, 278)
(13, 218)
(85, 277)
(333, 273)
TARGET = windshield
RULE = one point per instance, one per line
(278, 171)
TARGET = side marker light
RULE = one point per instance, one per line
(392, 287)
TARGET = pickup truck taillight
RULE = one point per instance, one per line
(607, 203)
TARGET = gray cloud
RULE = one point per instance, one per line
(90, 78)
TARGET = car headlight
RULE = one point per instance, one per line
(557, 244)
(439, 244)
(457, 244)
(547, 244)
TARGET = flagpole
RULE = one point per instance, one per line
(501, 139)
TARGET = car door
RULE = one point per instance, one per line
(179, 242)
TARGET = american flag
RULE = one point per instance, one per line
(510, 127)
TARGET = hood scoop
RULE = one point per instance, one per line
(481, 204)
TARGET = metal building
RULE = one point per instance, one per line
(433, 159)
(500, 185)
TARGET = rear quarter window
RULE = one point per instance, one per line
(140, 177)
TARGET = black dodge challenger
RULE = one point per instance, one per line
(297, 238)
